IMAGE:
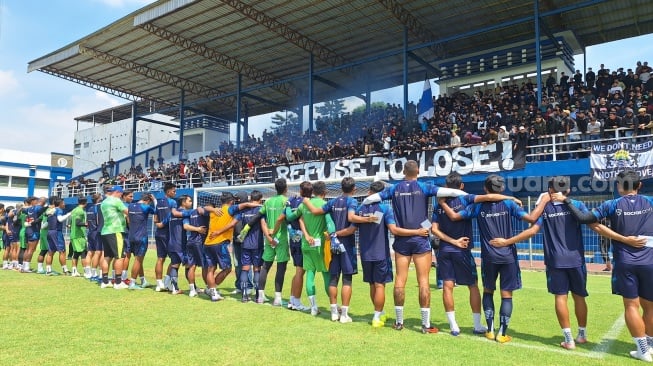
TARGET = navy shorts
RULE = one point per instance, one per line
(32, 235)
(353, 257)
(458, 267)
(56, 242)
(510, 276)
(632, 281)
(176, 257)
(341, 263)
(138, 247)
(161, 246)
(94, 242)
(296, 253)
(195, 254)
(411, 247)
(126, 247)
(559, 281)
(112, 245)
(251, 257)
(377, 271)
(217, 255)
(12, 238)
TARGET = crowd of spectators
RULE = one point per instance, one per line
(574, 109)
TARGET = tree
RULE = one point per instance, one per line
(332, 108)
(375, 105)
(285, 123)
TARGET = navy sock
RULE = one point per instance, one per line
(174, 273)
(243, 282)
(257, 276)
(488, 308)
(504, 314)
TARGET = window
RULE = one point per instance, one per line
(78, 149)
(4, 181)
(19, 182)
(41, 183)
(86, 144)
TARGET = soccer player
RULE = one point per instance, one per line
(78, 234)
(410, 206)
(216, 245)
(275, 246)
(56, 242)
(564, 256)
(195, 225)
(252, 247)
(630, 215)
(94, 226)
(295, 245)
(494, 221)
(374, 220)
(341, 209)
(22, 240)
(138, 214)
(313, 241)
(43, 240)
(32, 229)
(456, 264)
(127, 199)
(13, 229)
(176, 242)
(114, 213)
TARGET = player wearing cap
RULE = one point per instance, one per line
(630, 215)
(410, 206)
(494, 220)
(564, 255)
(456, 264)
(114, 212)
(56, 242)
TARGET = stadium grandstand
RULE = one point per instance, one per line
(511, 101)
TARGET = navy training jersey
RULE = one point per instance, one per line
(34, 217)
(197, 220)
(138, 213)
(294, 203)
(339, 209)
(100, 217)
(53, 222)
(563, 239)
(454, 229)
(629, 215)
(494, 220)
(92, 219)
(410, 206)
(254, 238)
(374, 244)
(177, 239)
(164, 208)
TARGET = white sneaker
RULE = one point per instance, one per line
(315, 311)
(192, 293)
(87, 275)
(75, 274)
(144, 284)
(345, 319)
(335, 317)
(215, 295)
(646, 357)
(106, 285)
(301, 307)
(120, 286)
(277, 302)
(160, 289)
(134, 286)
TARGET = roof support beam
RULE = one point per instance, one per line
(427, 65)
(263, 100)
(162, 76)
(119, 92)
(337, 86)
(320, 51)
(414, 26)
(221, 59)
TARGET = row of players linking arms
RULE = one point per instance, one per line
(319, 236)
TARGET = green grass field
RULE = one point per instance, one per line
(68, 321)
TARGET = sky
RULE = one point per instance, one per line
(38, 110)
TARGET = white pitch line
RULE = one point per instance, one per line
(608, 338)
(551, 349)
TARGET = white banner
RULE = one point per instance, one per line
(609, 159)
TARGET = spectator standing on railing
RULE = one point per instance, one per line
(590, 78)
